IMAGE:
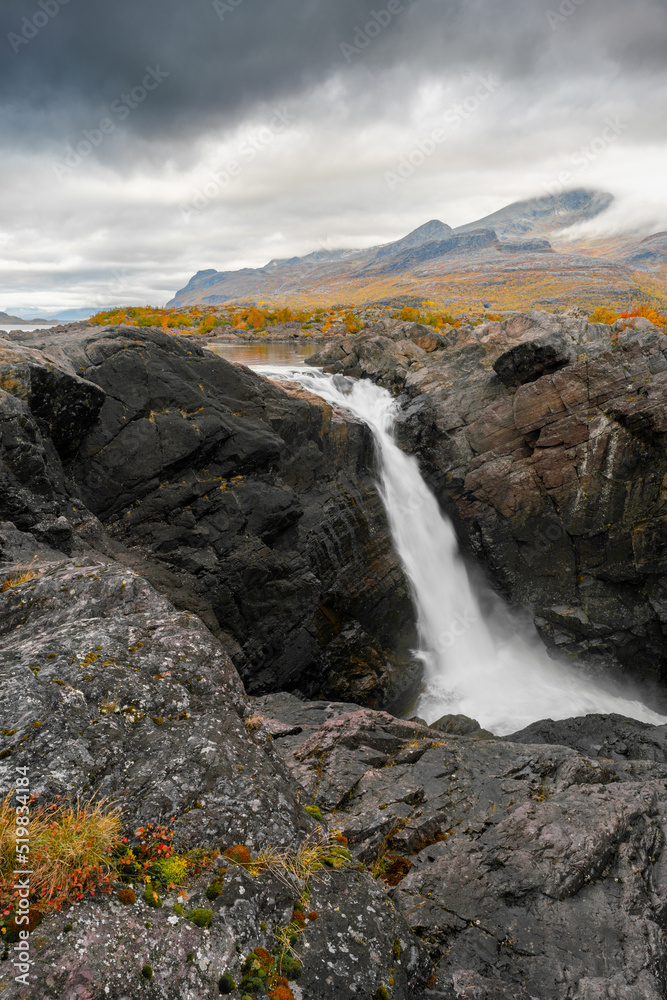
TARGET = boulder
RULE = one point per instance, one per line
(610, 737)
(530, 360)
(461, 725)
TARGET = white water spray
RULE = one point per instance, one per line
(473, 666)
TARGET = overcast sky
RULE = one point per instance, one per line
(143, 140)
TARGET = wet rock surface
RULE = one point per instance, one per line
(251, 505)
(526, 870)
(543, 437)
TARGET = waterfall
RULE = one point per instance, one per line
(483, 664)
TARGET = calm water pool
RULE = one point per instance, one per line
(261, 355)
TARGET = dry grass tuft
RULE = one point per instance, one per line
(253, 723)
(70, 852)
(313, 860)
(20, 575)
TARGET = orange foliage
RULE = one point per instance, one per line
(239, 853)
(256, 319)
(428, 315)
(70, 853)
(352, 323)
(652, 315)
(281, 993)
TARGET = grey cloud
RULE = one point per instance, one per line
(92, 51)
(114, 229)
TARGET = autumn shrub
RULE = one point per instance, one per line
(141, 316)
(209, 323)
(428, 315)
(352, 323)
(256, 319)
(603, 315)
(649, 313)
(71, 853)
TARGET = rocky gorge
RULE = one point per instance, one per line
(543, 438)
(213, 628)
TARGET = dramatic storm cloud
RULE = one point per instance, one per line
(143, 141)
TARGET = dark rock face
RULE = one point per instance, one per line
(253, 506)
(607, 736)
(527, 871)
(106, 690)
(554, 478)
(529, 361)
(402, 260)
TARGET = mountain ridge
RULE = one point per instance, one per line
(506, 254)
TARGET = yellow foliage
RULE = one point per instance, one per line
(603, 315)
(352, 323)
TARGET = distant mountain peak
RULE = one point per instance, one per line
(433, 230)
(544, 215)
(428, 233)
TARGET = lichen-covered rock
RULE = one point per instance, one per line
(526, 870)
(106, 691)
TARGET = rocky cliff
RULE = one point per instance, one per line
(544, 438)
(252, 506)
(167, 517)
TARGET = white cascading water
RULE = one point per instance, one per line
(473, 665)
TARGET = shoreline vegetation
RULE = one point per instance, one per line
(251, 322)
